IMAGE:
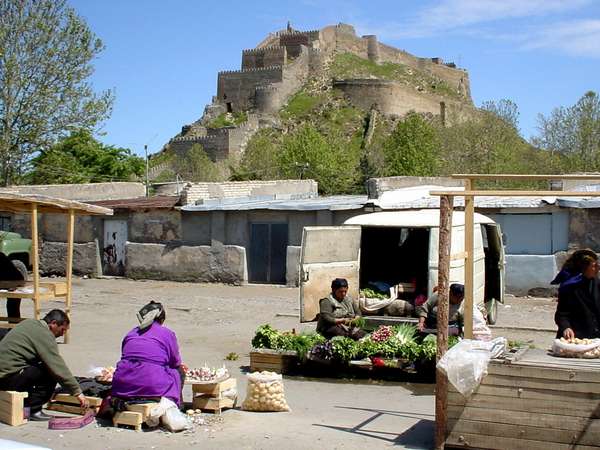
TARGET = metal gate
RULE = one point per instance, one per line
(268, 250)
(113, 254)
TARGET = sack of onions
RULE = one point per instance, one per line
(265, 393)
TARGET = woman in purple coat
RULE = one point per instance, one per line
(150, 365)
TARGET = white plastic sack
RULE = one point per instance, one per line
(175, 420)
(158, 411)
(265, 392)
(588, 348)
(481, 331)
(466, 363)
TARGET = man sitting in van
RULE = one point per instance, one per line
(337, 313)
(427, 312)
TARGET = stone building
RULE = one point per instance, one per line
(283, 62)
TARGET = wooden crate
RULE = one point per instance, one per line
(209, 396)
(70, 404)
(12, 407)
(272, 360)
(537, 402)
(135, 415)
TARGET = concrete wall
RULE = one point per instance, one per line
(195, 227)
(154, 225)
(377, 186)
(224, 264)
(86, 259)
(195, 192)
(83, 192)
(292, 269)
(525, 273)
(395, 98)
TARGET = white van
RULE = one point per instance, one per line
(398, 247)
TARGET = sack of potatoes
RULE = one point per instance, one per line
(265, 393)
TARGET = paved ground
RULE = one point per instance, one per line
(213, 320)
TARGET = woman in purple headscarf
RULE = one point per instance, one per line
(150, 365)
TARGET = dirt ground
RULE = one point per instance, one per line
(213, 320)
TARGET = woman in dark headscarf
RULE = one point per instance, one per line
(150, 365)
(578, 310)
(336, 313)
(12, 270)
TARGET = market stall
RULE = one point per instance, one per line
(497, 408)
(36, 290)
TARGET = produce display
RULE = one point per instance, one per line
(386, 342)
(370, 293)
(206, 374)
(576, 348)
(265, 393)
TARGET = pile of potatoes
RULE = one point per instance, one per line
(265, 393)
(574, 352)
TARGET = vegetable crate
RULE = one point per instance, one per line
(135, 416)
(272, 360)
(209, 396)
(11, 407)
(70, 404)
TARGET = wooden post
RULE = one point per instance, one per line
(36, 265)
(441, 387)
(69, 268)
(469, 262)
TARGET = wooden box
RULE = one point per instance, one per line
(273, 360)
(135, 415)
(209, 396)
(12, 407)
(70, 404)
(537, 402)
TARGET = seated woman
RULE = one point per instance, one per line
(12, 270)
(336, 313)
(427, 312)
(150, 365)
(578, 310)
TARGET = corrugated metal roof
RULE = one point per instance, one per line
(157, 202)
(333, 203)
(416, 219)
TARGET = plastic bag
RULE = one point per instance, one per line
(175, 420)
(265, 393)
(158, 411)
(466, 363)
(481, 331)
(582, 348)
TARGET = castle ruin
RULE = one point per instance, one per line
(283, 62)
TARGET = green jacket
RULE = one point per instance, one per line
(331, 309)
(30, 343)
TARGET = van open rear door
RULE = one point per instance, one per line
(327, 253)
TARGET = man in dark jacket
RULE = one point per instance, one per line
(578, 310)
(30, 362)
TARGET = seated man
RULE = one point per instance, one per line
(30, 362)
(427, 312)
(150, 365)
(337, 312)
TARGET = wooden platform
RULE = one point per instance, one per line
(272, 360)
(135, 415)
(535, 401)
(210, 396)
(12, 407)
(70, 404)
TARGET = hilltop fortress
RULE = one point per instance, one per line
(284, 61)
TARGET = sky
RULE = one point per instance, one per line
(162, 57)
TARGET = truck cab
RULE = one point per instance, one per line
(398, 249)
(15, 247)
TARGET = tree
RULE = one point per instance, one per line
(196, 165)
(80, 158)
(505, 109)
(573, 132)
(45, 61)
(411, 149)
(259, 161)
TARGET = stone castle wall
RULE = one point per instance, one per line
(236, 88)
(264, 57)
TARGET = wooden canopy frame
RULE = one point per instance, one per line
(34, 204)
(446, 209)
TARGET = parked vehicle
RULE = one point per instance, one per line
(15, 247)
(398, 248)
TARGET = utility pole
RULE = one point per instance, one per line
(147, 185)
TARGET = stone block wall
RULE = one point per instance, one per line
(86, 259)
(264, 57)
(237, 88)
(204, 264)
(583, 228)
(154, 225)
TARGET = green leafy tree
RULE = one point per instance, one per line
(196, 165)
(260, 160)
(45, 62)
(306, 153)
(505, 109)
(411, 149)
(80, 158)
(574, 133)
